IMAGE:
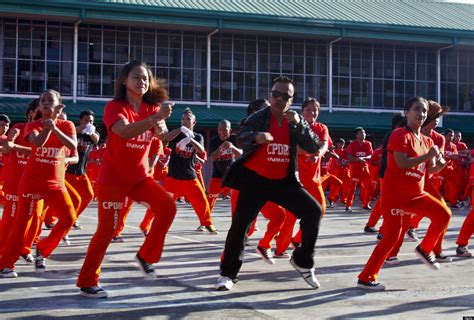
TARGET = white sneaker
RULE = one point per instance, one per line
(306, 274)
(8, 273)
(392, 261)
(224, 283)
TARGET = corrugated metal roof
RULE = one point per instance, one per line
(410, 13)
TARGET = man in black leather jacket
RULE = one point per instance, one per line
(266, 172)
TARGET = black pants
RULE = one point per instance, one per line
(255, 191)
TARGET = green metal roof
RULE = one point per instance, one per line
(419, 13)
(429, 21)
(209, 118)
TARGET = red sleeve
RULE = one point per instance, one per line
(398, 141)
(155, 146)
(370, 151)
(113, 112)
(68, 128)
(32, 127)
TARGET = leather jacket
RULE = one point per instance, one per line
(300, 135)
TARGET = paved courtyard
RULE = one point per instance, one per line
(189, 268)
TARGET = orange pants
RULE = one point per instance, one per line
(467, 228)
(123, 214)
(49, 216)
(286, 232)
(215, 189)
(397, 215)
(334, 185)
(59, 201)
(451, 186)
(345, 176)
(147, 220)
(111, 199)
(193, 191)
(363, 180)
(376, 210)
(83, 186)
(8, 218)
(431, 189)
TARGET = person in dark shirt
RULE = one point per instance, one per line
(182, 180)
(223, 152)
(266, 172)
(76, 174)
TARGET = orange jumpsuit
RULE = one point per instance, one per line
(125, 173)
(402, 197)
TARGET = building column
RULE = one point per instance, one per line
(208, 86)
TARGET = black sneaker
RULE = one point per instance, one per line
(370, 285)
(370, 230)
(146, 268)
(50, 226)
(463, 251)
(411, 234)
(427, 258)
(379, 237)
(441, 257)
(40, 262)
(266, 254)
(8, 273)
(295, 244)
(349, 209)
(368, 207)
(76, 226)
(95, 292)
(331, 204)
(28, 258)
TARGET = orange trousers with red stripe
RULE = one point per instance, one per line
(111, 199)
(213, 192)
(334, 184)
(83, 187)
(430, 187)
(57, 200)
(399, 221)
(363, 180)
(194, 192)
(286, 232)
(467, 228)
(344, 175)
(8, 217)
(376, 210)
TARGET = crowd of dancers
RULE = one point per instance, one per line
(281, 162)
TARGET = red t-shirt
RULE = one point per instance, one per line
(405, 184)
(306, 167)
(359, 150)
(439, 140)
(125, 161)
(16, 162)
(45, 168)
(343, 163)
(271, 160)
(450, 151)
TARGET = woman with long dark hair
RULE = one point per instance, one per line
(133, 117)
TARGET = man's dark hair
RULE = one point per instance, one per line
(255, 105)
(448, 131)
(339, 140)
(356, 130)
(86, 113)
(284, 79)
(4, 118)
